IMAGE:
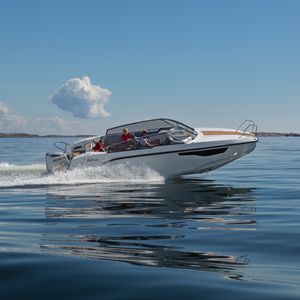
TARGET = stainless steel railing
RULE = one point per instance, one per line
(247, 127)
(64, 147)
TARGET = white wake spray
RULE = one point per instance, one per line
(36, 175)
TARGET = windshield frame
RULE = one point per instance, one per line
(141, 125)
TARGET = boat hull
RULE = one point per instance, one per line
(172, 160)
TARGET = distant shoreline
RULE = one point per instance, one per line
(27, 135)
(277, 134)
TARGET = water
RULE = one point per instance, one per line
(129, 234)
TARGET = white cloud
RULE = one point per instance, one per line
(82, 98)
(8, 120)
(11, 122)
(4, 109)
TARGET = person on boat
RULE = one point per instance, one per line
(99, 146)
(145, 141)
(126, 136)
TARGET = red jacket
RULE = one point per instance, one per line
(126, 137)
(99, 147)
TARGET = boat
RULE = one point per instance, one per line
(175, 148)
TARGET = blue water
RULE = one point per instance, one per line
(129, 234)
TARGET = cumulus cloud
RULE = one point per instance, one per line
(4, 109)
(82, 98)
(11, 122)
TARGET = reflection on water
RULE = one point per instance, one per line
(151, 225)
(131, 249)
(183, 200)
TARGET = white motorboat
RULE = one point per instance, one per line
(175, 148)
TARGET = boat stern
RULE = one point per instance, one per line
(56, 162)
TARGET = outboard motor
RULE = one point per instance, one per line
(59, 161)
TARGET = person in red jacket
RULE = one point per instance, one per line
(99, 146)
(126, 136)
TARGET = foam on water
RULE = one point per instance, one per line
(36, 175)
(10, 168)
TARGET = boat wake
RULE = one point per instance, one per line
(36, 175)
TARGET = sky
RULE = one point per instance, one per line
(79, 67)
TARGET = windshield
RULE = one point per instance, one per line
(153, 125)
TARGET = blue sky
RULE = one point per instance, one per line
(207, 63)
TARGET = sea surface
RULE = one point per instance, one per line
(124, 233)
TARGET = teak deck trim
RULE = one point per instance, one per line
(209, 132)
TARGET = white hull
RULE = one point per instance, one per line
(210, 150)
(167, 163)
